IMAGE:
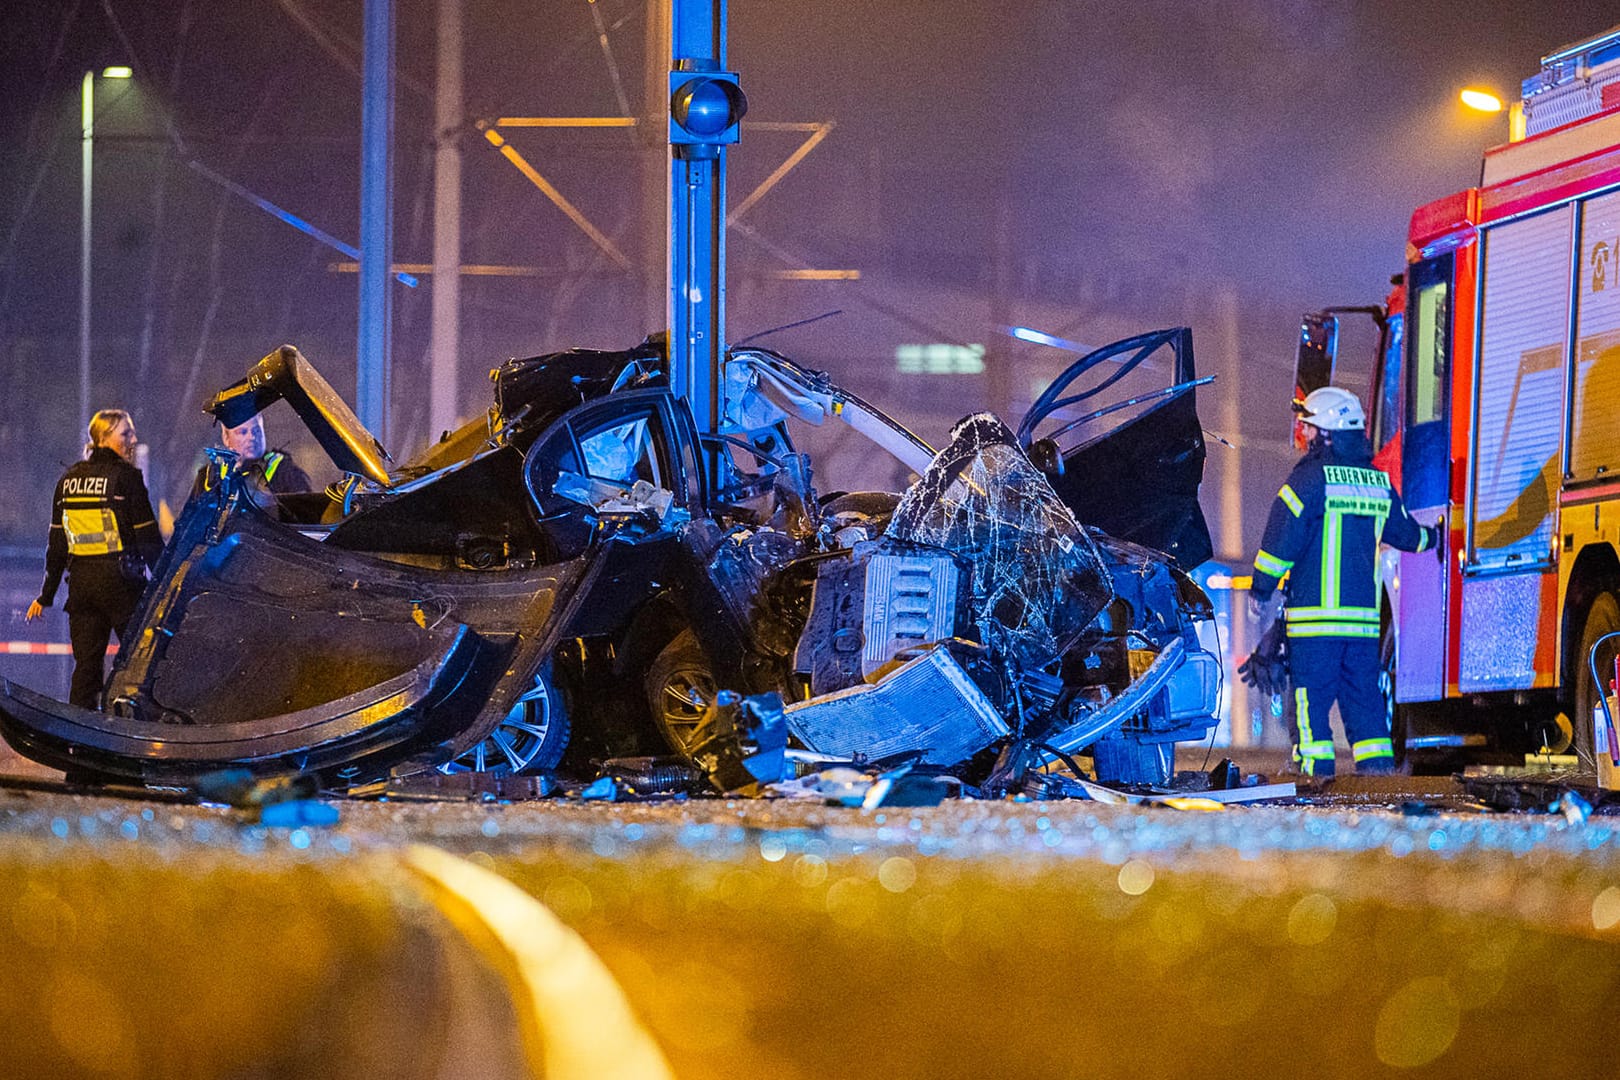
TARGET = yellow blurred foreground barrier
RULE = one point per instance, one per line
(575, 1021)
(408, 964)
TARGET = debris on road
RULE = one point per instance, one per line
(279, 801)
(603, 789)
(741, 742)
(1574, 808)
(242, 789)
(1225, 797)
(649, 775)
(1224, 775)
(845, 786)
(1574, 795)
(298, 813)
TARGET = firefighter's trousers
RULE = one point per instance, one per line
(1325, 670)
(99, 604)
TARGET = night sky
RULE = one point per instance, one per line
(1097, 168)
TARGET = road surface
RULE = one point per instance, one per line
(776, 939)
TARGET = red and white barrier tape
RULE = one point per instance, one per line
(42, 648)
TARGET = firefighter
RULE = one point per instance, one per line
(268, 474)
(1323, 533)
(104, 536)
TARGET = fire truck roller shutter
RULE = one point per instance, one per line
(1520, 407)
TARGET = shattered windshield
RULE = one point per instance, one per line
(1038, 579)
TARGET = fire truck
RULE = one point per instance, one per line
(1494, 403)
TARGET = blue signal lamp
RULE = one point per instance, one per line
(704, 111)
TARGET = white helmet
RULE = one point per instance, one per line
(1333, 408)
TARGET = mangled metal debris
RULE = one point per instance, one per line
(493, 605)
(928, 708)
(647, 777)
(277, 801)
(741, 742)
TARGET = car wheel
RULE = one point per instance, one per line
(530, 738)
(679, 686)
(1602, 617)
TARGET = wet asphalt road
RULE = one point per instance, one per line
(751, 938)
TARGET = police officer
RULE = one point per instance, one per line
(103, 535)
(1324, 531)
(268, 474)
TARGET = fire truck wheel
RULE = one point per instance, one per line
(1602, 617)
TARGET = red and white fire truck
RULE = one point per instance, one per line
(1495, 403)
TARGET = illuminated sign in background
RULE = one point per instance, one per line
(939, 359)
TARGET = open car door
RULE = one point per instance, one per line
(1129, 463)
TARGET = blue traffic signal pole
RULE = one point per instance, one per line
(376, 217)
(706, 104)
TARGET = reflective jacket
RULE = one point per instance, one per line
(1324, 531)
(101, 510)
(275, 473)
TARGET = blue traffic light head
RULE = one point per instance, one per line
(704, 110)
(705, 107)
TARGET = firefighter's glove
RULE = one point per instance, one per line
(1266, 669)
(1436, 541)
(1248, 671)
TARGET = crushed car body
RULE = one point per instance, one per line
(581, 576)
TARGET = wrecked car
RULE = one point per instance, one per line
(580, 575)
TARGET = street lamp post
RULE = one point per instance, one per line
(86, 142)
(86, 155)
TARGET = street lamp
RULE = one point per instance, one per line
(1479, 99)
(87, 143)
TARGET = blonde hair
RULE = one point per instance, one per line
(103, 424)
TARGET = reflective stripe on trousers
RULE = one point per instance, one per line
(1342, 670)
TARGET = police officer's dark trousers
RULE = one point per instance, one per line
(1325, 670)
(100, 602)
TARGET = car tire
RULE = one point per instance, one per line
(679, 686)
(530, 738)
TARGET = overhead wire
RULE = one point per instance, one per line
(512, 102)
(906, 319)
(608, 58)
